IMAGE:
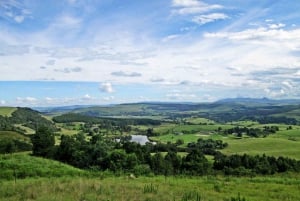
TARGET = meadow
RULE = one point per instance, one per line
(158, 188)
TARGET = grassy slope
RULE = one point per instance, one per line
(24, 165)
(275, 188)
(283, 143)
(7, 111)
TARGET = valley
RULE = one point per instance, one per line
(196, 151)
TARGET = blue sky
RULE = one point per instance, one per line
(65, 52)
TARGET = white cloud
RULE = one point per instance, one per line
(19, 18)
(87, 97)
(180, 96)
(204, 19)
(106, 87)
(186, 3)
(69, 70)
(157, 79)
(14, 10)
(126, 74)
(276, 26)
(50, 62)
(275, 93)
(50, 100)
(26, 100)
(259, 34)
(185, 7)
(287, 84)
(2, 102)
(170, 37)
(67, 20)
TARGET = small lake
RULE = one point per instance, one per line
(141, 139)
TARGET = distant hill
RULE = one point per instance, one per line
(260, 101)
(59, 109)
(265, 110)
(27, 117)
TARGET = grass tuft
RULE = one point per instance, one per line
(150, 188)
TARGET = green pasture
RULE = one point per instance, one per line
(173, 138)
(293, 134)
(201, 128)
(270, 146)
(7, 111)
(198, 120)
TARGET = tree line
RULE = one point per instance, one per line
(251, 165)
(102, 153)
(252, 132)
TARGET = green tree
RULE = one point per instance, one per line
(43, 142)
(195, 163)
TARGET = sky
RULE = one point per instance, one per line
(99, 52)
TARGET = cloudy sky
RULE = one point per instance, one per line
(65, 52)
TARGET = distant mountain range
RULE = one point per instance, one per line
(241, 101)
(231, 109)
(260, 100)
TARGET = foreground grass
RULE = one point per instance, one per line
(27, 178)
(207, 188)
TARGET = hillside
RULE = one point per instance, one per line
(10, 118)
(16, 126)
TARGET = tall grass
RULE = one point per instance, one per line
(68, 188)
